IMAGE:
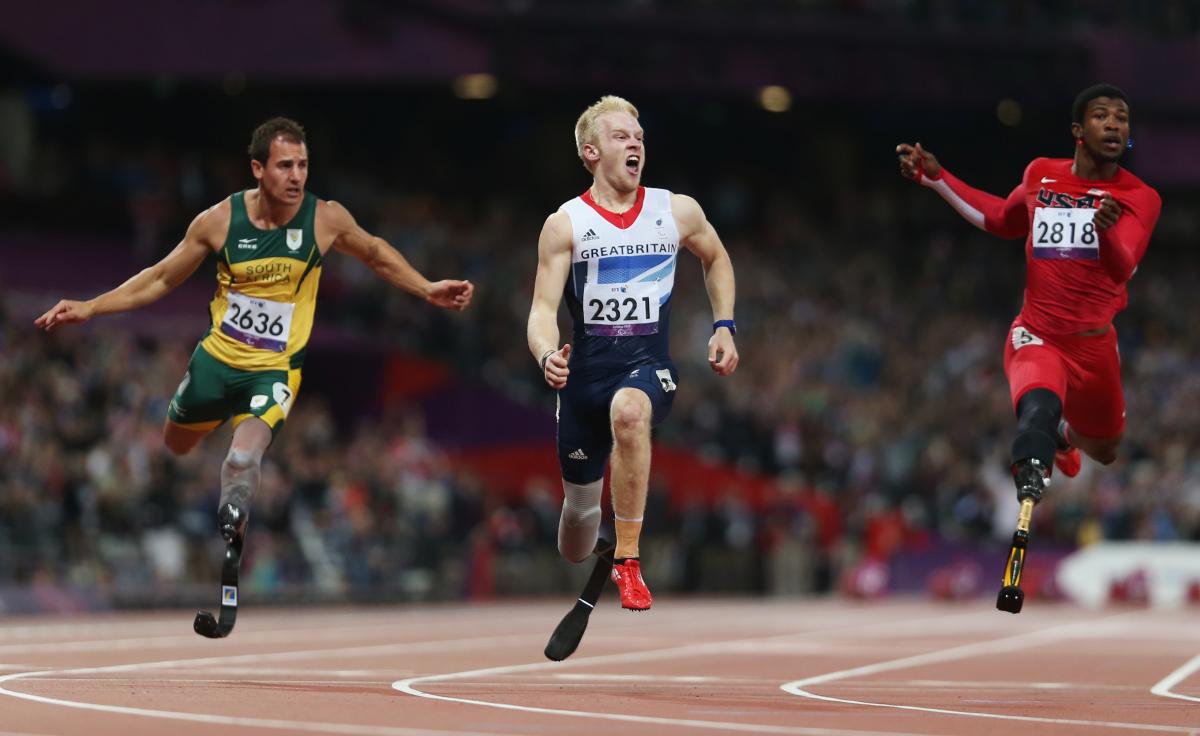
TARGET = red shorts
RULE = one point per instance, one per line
(1084, 371)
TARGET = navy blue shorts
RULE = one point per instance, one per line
(585, 425)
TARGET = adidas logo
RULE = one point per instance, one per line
(578, 455)
(589, 235)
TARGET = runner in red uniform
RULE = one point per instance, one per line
(1086, 223)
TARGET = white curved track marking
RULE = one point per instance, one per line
(268, 723)
(407, 685)
(1166, 684)
(307, 726)
(966, 651)
(272, 723)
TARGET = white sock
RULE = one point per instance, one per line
(579, 525)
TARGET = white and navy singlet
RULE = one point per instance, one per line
(622, 274)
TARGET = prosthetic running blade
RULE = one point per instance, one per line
(569, 632)
(233, 527)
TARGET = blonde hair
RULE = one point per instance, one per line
(586, 129)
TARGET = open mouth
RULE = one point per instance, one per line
(1112, 143)
(633, 164)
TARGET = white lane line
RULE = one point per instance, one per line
(176, 640)
(966, 651)
(273, 723)
(270, 723)
(1165, 685)
(31, 633)
(647, 678)
(986, 685)
(261, 624)
(588, 687)
(212, 671)
(474, 644)
(445, 645)
(269, 629)
(1008, 643)
(407, 685)
(176, 681)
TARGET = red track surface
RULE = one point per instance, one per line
(686, 667)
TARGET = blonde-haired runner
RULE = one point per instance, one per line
(612, 251)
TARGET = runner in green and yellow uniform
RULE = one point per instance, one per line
(270, 242)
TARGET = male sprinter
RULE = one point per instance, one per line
(611, 252)
(270, 243)
(1087, 223)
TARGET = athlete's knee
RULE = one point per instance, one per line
(630, 415)
(579, 524)
(240, 459)
(575, 545)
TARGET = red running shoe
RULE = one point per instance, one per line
(635, 596)
(1068, 461)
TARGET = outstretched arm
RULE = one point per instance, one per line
(388, 264)
(554, 265)
(1004, 217)
(205, 235)
(697, 235)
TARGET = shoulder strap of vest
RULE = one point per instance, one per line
(238, 219)
(237, 215)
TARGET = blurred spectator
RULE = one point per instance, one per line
(870, 392)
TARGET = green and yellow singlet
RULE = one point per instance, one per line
(262, 313)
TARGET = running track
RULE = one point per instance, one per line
(818, 668)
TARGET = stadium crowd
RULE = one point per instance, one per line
(871, 327)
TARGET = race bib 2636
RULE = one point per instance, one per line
(259, 323)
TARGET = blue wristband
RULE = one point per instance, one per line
(726, 323)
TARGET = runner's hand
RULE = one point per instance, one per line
(554, 367)
(1108, 213)
(66, 312)
(722, 353)
(916, 162)
(450, 294)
